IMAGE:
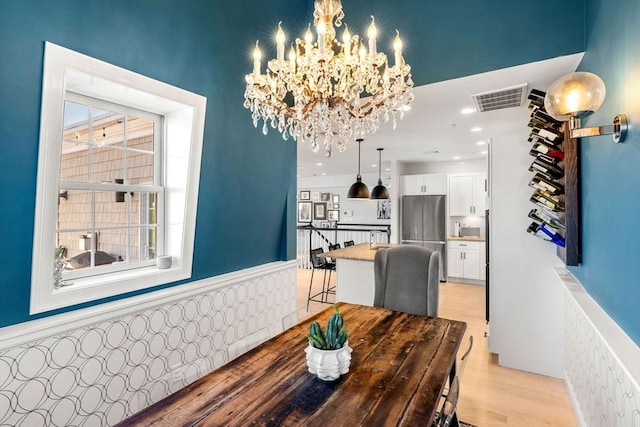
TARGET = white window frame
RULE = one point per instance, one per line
(184, 115)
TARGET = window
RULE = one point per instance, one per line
(118, 174)
(102, 228)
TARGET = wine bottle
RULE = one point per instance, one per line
(547, 201)
(544, 216)
(540, 182)
(533, 138)
(545, 233)
(553, 235)
(542, 147)
(542, 116)
(549, 169)
(539, 120)
(549, 134)
(536, 99)
(535, 123)
(534, 228)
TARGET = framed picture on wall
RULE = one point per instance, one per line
(320, 211)
(334, 215)
(305, 195)
(384, 210)
(325, 197)
(304, 211)
(336, 198)
(315, 195)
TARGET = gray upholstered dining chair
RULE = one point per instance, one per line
(406, 279)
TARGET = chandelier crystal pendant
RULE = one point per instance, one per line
(327, 91)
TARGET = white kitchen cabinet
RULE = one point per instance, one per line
(479, 201)
(463, 260)
(419, 185)
(467, 194)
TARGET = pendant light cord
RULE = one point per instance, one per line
(379, 166)
(359, 142)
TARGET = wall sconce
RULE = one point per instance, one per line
(579, 94)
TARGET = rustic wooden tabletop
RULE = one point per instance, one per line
(400, 365)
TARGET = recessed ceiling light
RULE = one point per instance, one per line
(467, 110)
(456, 157)
(480, 143)
(323, 173)
(476, 129)
(483, 152)
(387, 169)
(374, 165)
(318, 164)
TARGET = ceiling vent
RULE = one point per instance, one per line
(509, 97)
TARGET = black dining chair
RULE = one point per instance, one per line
(348, 243)
(319, 263)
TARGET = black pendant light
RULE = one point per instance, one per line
(358, 190)
(379, 192)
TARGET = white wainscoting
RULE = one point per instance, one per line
(97, 366)
(602, 364)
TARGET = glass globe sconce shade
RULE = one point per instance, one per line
(579, 94)
(576, 94)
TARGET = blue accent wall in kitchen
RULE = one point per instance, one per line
(246, 207)
(610, 184)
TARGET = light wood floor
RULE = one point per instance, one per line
(490, 395)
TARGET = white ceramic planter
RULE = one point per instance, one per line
(328, 365)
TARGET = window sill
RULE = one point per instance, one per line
(107, 285)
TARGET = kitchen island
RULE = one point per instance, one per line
(355, 281)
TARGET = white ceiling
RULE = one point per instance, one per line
(435, 122)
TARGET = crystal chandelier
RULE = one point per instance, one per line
(328, 92)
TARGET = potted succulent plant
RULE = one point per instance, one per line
(328, 353)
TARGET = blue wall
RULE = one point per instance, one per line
(247, 182)
(446, 39)
(610, 269)
(246, 209)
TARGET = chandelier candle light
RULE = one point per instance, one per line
(328, 92)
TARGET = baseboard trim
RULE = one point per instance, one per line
(33, 330)
(527, 365)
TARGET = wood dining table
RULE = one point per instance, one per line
(399, 368)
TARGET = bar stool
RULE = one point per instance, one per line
(319, 263)
(348, 243)
(332, 263)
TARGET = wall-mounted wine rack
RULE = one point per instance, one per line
(556, 168)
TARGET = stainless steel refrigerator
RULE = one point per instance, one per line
(424, 224)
